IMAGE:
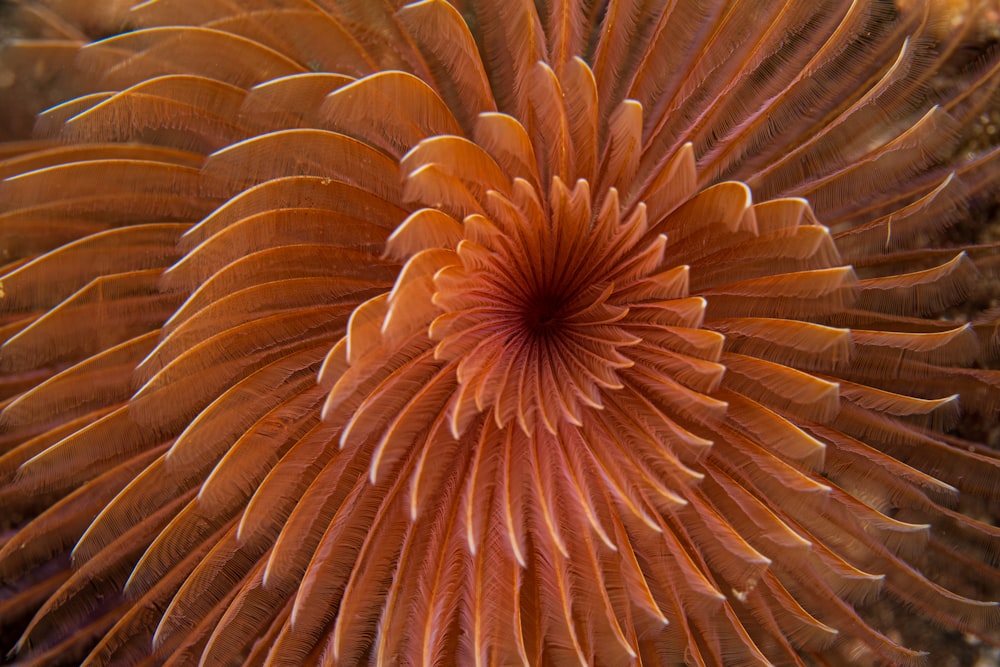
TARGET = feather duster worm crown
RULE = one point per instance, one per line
(554, 332)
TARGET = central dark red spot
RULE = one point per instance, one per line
(544, 312)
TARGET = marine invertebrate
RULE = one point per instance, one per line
(492, 331)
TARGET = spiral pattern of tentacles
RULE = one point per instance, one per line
(491, 332)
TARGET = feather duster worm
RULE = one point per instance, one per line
(491, 333)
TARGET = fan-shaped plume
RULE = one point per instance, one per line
(495, 332)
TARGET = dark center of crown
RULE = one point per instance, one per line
(543, 312)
